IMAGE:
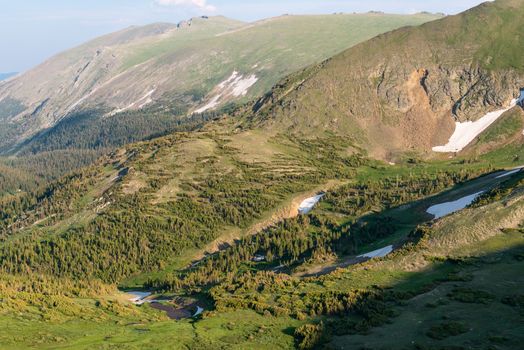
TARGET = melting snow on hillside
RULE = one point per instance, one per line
(468, 131)
(140, 103)
(236, 85)
(379, 253)
(443, 209)
(241, 85)
(308, 204)
(210, 105)
(198, 311)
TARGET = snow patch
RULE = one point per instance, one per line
(91, 93)
(148, 99)
(241, 86)
(443, 209)
(229, 80)
(468, 131)
(308, 204)
(235, 85)
(198, 311)
(210, 105)
(259, 258)
(140, 298)
(142, 102)
(379, 253)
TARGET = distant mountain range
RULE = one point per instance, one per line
(194, 66)
(4, 76)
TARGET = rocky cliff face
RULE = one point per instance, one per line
(467, 92)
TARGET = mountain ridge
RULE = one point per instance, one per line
(416, 83)
(100, 75)
(5, 76)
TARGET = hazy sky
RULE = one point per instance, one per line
(33, 30)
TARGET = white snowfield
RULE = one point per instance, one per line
(379, 253)
(236, 85)
(229, 80)
(308, 204)
(468, 131)
(443, 209)
(91, 93)
(241, 85)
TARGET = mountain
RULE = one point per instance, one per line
(404, 90)
(301, 220)
(4, 76)
(194, 66)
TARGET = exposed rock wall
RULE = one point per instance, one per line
(468, 92)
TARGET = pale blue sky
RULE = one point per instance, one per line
(33, 30)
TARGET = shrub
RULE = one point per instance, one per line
(467, 295)
(309, 335)
(445, 330)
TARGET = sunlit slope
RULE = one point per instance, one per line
(441, 286)
(178, 67)
(404, 90)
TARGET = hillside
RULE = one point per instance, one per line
(405, 90)
(315, 217)
(193, 66)
(142, 216)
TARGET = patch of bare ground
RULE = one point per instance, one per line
(421, 126)
(133, 186)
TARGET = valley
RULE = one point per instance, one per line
(399, 265)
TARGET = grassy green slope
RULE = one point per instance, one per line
(443, 286)
(278, 46)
